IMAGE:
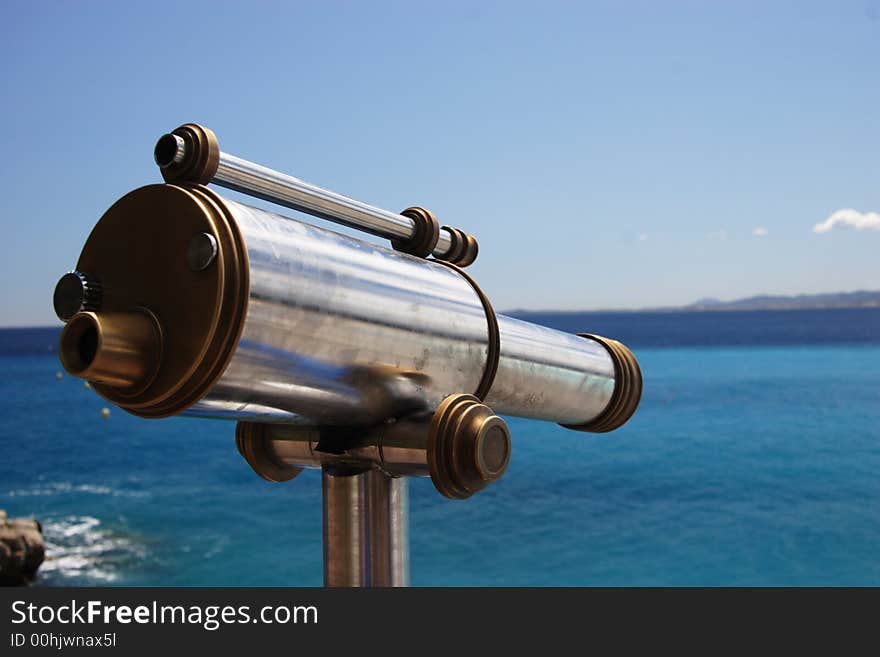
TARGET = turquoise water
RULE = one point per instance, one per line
(743, 465)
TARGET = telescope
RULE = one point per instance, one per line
(371, 361)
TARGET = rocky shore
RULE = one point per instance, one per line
(21, 550)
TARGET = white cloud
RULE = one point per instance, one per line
(851, 218)
(643, 237)
(760, 231)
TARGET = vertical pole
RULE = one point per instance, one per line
(388, 529)
(346, 547)
(366, 529)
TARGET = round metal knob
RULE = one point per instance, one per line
(76, 292)
(468, 446)
(253, 443)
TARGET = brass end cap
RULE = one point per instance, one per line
(464, 248)
(190, 153)
(252, 441)
(422, 243)
(468, 446)
(627, 388)
(140, 253)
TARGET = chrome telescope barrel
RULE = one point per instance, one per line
(243, 314)
(192, 154)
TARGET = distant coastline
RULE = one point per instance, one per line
(865, 299)
(830, 301)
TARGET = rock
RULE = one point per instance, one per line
(22, 550)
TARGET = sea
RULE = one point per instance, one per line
(753, 459)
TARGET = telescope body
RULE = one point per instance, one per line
(371, 363)
(213, 308)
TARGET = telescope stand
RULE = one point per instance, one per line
(366, 528)
(463, 446)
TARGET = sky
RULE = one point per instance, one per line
(606, 154)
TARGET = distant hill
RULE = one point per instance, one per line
(858, 299)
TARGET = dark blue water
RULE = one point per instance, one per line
(729, 328)
(745, 464)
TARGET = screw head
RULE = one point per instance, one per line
(201, 251)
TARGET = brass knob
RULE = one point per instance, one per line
(252, 440)
(76, 292)
(468, 446)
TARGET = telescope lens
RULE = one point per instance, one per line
(79, 344)
(87, 346)
(120, 350)
(169, 150)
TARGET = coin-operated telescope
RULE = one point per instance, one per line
(330, 352)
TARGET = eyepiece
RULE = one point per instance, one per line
(188, 154)
(170, 149)
(117, 349)
(79, 345)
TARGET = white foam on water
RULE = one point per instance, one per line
(79, 550)
(64, 487)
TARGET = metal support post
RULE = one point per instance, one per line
(366, 529)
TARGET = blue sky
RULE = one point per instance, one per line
(606, 154)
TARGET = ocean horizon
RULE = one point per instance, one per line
(752, 460)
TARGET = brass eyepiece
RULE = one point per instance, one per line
(119, 349)
(188, 154)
